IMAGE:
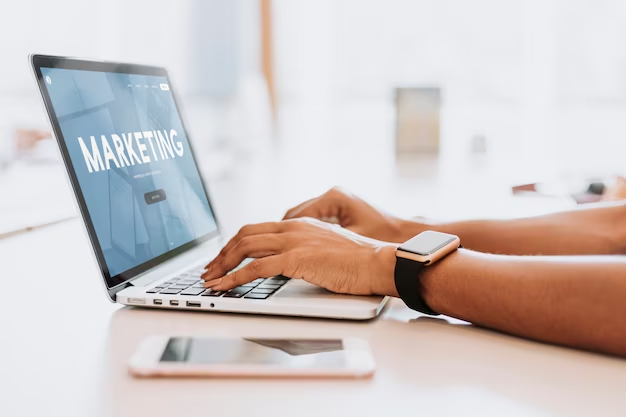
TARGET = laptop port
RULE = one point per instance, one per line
(157, 302)
(173, 302)
(193, 304)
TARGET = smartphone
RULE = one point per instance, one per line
(181, 356)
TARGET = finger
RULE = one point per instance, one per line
(326, 208)
(293, 213)
(250, 230)
(257, 246)
(259, 268)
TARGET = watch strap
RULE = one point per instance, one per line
(408, 284)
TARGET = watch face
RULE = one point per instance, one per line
(427, 242)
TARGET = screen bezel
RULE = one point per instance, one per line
(121, 280)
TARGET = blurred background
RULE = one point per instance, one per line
(424, 107)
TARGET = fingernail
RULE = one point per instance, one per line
(210, 284)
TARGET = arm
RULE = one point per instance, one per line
(596, 230)
(571, 301)
(577, 301)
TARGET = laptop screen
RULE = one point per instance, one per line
(132, 161)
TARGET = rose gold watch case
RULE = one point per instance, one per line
(432, 257)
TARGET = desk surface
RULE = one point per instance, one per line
(64, 348)
(65, 352)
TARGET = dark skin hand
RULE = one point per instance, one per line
(574, 301)
(323, 254)
(350, 212)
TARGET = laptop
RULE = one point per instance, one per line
(145, 206)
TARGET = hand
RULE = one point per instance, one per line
(323, 254)
(352, 213)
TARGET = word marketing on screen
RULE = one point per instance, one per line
(166, 147)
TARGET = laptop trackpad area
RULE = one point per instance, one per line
(297, 288)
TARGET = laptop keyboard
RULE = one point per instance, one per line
(189, 283)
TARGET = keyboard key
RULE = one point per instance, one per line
(263, 290)
(259, 280)
(272, 286)
(237, 292)
(256, 296)
(193, 291)
(250, 285)
(154, 290)
(276, 280)
(211, 293)
(187, 282)
(179, 286)
(199, 284)
(170, 291)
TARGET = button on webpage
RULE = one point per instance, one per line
(154, 196)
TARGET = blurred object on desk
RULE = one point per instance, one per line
(33, 196)
(615, 191)
(582, 192)
(37, 146)
(7, 146)
(26, 144)
(27, 139)
(417, 119)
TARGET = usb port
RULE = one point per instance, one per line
(193, 304)
(173, 302)
(157, 302)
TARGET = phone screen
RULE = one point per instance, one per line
(287, 352)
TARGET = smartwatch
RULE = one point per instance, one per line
(412, 256)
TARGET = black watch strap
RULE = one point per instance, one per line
(408, 283)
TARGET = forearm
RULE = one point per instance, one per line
(571, 301)
(595, 230)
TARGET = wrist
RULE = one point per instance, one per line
(382, 271)
(406, 229)
(435, 283)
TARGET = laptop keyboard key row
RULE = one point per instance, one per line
(263, 290)
(272, 286)
(190, 284)
(255, 296)
(237, 292)
(212, 293)
(170, 291)
(193, 291)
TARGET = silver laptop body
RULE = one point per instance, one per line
(146, 209)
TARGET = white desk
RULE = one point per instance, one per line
(65, 355)
(64, 352)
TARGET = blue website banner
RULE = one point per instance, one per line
(133, 163)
